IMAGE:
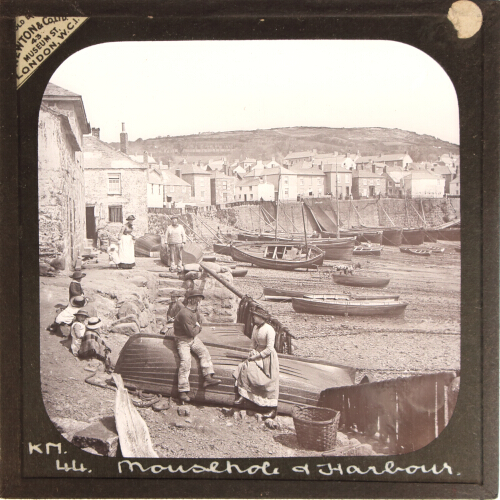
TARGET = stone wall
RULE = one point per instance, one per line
(61, 198)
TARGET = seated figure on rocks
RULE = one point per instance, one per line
(93, 346)
(67, 315)
(187, 325)
(75, 287)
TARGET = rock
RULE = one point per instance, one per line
(342, 439)
(237, 415)
(271, 423)
(212, 266)
(189, 420)
(144, 319)
(258, 416)
(191, 275)
(192, 267)
(68, 426)
(125, 328)
(228, 412)
(140, 281)
(58, 263)
(166, 291)
(229, 424)
(131, 318)
(285, 422)
(101, 436)
(183, 411)
(128, 309)
(91, 450)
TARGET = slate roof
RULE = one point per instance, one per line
(313, 171)
(92, 143)
(191, 169)
(383, 158)
(270, 171)
(299, 154)
(365, 173)
(422, 174)
(170, 179)
(331, 167)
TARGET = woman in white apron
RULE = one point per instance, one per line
(126, 250)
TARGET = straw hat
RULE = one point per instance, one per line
(194, 293)
(78, 275)
(78, 301)
(94, 323)
(130, 217)
(82, 312)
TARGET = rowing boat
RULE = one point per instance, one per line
(279, 256)
(357, 280)
(147, 244)
(150, 362)
(277, 295)
(367, 250)
(349, 307)
(416, 251)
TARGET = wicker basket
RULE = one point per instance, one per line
(316, 427)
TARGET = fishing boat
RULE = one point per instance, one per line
(150, 363)
(413, 236)
(278, 295)
(447, 234)
(367, 250)
(360, 235)
(359, 280)
(349, 307)
(222, 249)
(416, 251)
(392, 236)
(191, 254)
(334, 248)
(280, 256)
(147, 245)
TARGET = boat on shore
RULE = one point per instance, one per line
(446, 234)
(348, 307)
(279, 256)
(222, 248)
(150, 363)
(367, 250)
(413, 236)
(392, 236)
(416, 251)
(278, 295)
(147, 245)
(360, 280)
(360, 235)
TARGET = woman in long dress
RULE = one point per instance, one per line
(257, 378)
(126, 251)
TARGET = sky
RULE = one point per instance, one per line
(182, 88)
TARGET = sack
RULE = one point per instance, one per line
(93, 347)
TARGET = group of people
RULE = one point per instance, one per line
(85, 331)
(256, 379)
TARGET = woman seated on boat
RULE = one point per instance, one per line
(257, 378)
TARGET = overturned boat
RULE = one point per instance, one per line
(348, 307)
(150, 363)
(279, 256)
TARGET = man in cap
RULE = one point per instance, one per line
(187, 325)
(75, 287)
(176, 304)
(176, 238)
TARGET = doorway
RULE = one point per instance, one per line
(90, 222)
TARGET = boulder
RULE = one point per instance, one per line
(167, 291)
(144, 319)
(101, 436)
(131, 318)
(125, 328)
(68, 427)
(140, 281)
(127, 309)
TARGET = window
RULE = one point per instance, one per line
(320, 180)
(251, 196)
(286, 192)
(114, 186)
(202, 194)
(224, 184)
(115, 214)
(285, 179)
(251, 188)
(241, 190)
(172, 189)
(347, 180)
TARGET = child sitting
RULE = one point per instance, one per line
(78, 330)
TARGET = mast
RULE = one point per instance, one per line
(305, 231)
(337, 195)
(277, 207)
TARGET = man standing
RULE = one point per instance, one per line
(187, 325)
(176, 238)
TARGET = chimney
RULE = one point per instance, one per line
(124, 140)
(145, 159)
(178, 173)
(96, 132)
(321, 165)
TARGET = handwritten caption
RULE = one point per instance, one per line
(37, 38)
(229, 467)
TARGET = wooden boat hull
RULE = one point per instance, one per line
(413, 236)
(447, 234)
(239, 273)
(366, 281)
(348, 308)
(150, 363)
(277, 295)
(367, 251)
(415, 251)
(145, 245)
(244, 254)
(191, 254)
(393, 237)
(222, 249)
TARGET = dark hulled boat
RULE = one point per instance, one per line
(279, 256)
(150, 363)
(348, 307)
(359, 280)
(277, 295)
(447, 234)
(413, 236)
(222, 249)
(392, 236)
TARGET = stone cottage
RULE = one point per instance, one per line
(61, 202)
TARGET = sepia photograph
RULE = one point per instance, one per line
(249, 249)
(253, 254)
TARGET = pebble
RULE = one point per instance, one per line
(229, 424)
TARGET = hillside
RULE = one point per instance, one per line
(264, 144)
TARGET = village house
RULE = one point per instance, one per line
(338, 180)
(217, 164)
(367, 184)
(199, 181)
(115, 187)
(294, 158)
(254, 188)
(248, 163)
(176, 192)
(423, 184)
(62, 123)
(310, 182)
(273, 163)
(393, 183)
(221, 188)
(400, 160)
(279, 176)
(455, 186)
(444, 172)
(344, 161)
